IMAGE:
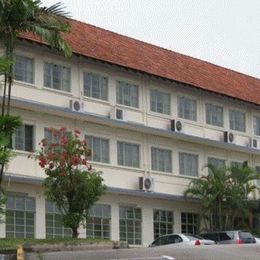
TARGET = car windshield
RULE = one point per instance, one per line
(192, 237)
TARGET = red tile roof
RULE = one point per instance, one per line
(100, 44)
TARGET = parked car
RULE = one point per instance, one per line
(230, 237)
(181, 239)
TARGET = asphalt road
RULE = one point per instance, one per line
(216, 252)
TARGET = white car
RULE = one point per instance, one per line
(181, 240)
(257, 240)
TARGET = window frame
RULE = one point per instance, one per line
(14, 143)
(161, 149)
(195, 226)
(198, 163)
(139, 153)
(223, 114)
(97, 73)
(131, 83)
(235, 124)
(190, 98)
(161, 92)
(255, 116)
(25, 56)
(61, 87)
(86, 136)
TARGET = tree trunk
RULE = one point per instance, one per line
(75, 232)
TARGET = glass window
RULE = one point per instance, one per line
(160, 102)
(237, 164)
(20, 216)
(96, 86)
(161, 160)
(24, 69)
(130, 225)
(162, 222)
(237, 120)
(128, 154)
(56, 77)
(127, 94)
(188, 164)
(256, 121)
(218, 163)
(214, 115)
(187, 108)
(98, 225)
(99, 149)
(189, 223)
(54, 225)
(23, 138)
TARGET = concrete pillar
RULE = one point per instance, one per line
(115, 222)
(147, 225)
(40, 224)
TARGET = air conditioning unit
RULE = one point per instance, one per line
(253, 143)
(176, 126)
(76, 105)
(228, 137)
(146, 183)
(118, 114)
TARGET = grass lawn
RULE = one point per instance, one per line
(13, 243)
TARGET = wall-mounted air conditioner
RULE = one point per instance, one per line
(118, 114)
(176, 126)
(228, 137)
(76, 105)
(253, 143)
(146, 183)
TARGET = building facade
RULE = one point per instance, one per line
(150, 133)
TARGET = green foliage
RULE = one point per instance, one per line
(224, 196)
(71, 183)
(8, 125)
(4, 65)
(2, 204)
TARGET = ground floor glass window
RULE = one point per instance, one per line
(54, 224)
(131, 225)
(98, 225)
(20, 216)
(162, 222)
(189, 223)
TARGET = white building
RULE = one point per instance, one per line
(147, 112)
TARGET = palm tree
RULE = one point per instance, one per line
(19, 16)
(224, 195)
(23, 16)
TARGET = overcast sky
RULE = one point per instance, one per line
(223, 32)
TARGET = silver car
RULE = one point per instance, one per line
(230, 237)
(181, 240)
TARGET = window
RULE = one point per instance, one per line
(188, 164)
(256, 121)
(128, 154)
(161, 160)
(189, 223)
(99, 149)
(257, 169)
(56, 77)
(162, 222)
(23, 138)
(187, 108)
(98, 225)
(130, 225)
(23, 69)
(237, 164)
(54, 224)
(218, 163)
(214, 115)
(20, 216)
(237, 120)
(160, 102)
(95, 86)
(127, 94)
(51, 138)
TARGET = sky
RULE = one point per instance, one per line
(223, 32)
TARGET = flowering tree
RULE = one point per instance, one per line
(71, 183)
